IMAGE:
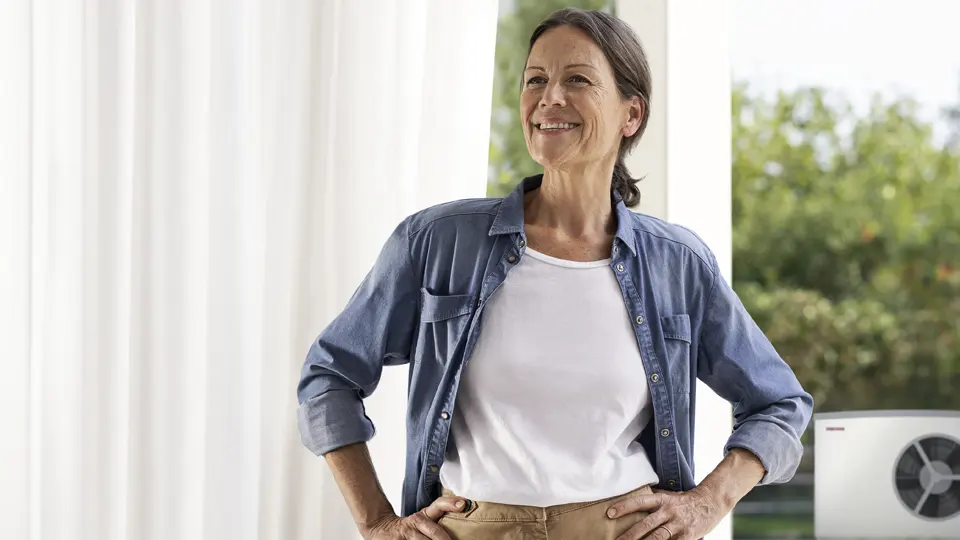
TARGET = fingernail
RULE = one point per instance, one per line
(611, 513)
(459, 504)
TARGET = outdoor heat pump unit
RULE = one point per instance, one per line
(887, 474)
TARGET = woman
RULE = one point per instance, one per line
(554, 339)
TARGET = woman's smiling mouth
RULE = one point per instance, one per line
(555, 127)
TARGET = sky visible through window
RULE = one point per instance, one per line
(857, 47)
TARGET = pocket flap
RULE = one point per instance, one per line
(676, 327)
(435, 308)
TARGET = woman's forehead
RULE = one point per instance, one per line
(565, 46)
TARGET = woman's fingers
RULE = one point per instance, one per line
(443, 505)
(649, 528)
(643, 502)
(432, 530)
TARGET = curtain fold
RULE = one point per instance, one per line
(189, 191)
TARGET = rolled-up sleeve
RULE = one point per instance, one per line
(735, 359)
(344, 364)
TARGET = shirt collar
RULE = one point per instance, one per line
(509, 219)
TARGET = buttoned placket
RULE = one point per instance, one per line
(666, 454)
(441, 431)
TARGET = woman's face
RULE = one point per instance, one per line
(572, 112)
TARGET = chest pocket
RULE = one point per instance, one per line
(677, 340)
(444, 323)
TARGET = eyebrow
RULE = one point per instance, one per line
(538, 68)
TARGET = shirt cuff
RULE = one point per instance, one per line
(333, 420)
(779, 451)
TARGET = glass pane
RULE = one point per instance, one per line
(846, 210)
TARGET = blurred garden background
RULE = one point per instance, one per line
(846, 237)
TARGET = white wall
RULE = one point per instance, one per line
(685, 156)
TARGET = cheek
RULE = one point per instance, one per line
(606, 113)
(596, 99)
(528, 102)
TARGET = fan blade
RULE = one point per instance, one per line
(907, 483)
(910, 463)
(952, 459)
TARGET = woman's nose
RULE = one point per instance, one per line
(553, 95)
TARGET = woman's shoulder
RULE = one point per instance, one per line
(671, 240)
(474, 213)
(450, 235)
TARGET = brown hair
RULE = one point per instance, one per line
(623, 50)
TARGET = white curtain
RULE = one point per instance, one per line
(189, 191)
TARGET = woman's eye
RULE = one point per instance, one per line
(579, 79)
(536, 80)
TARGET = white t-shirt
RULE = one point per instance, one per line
(555, 393)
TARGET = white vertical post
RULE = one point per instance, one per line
(16, 461)
(685, 156)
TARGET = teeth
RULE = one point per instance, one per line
(557, 126)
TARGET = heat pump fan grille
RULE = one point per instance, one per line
(927, 477)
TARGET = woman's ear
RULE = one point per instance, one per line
(634, 116)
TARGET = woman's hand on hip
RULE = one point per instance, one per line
(686, 515)
(420, 526)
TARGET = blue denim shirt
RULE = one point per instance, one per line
(422, 305)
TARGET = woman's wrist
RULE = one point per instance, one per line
(738, 473)
(368, 528)
(353, 470)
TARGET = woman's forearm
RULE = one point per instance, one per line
(354, 473)
(738, 473)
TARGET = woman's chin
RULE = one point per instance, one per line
(553, 158)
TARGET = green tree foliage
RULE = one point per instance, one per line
(952, 115)
(509, 160)
(847, 246)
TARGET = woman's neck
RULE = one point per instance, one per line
(574, 204)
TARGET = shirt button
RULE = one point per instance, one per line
(655, 377)
(639, 319)
(671, 483)
(665, 432)
(512, 259)
(523, 243)
(444, 415)
(620, 267)
(434, 469)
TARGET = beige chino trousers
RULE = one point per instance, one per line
(575, 521)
